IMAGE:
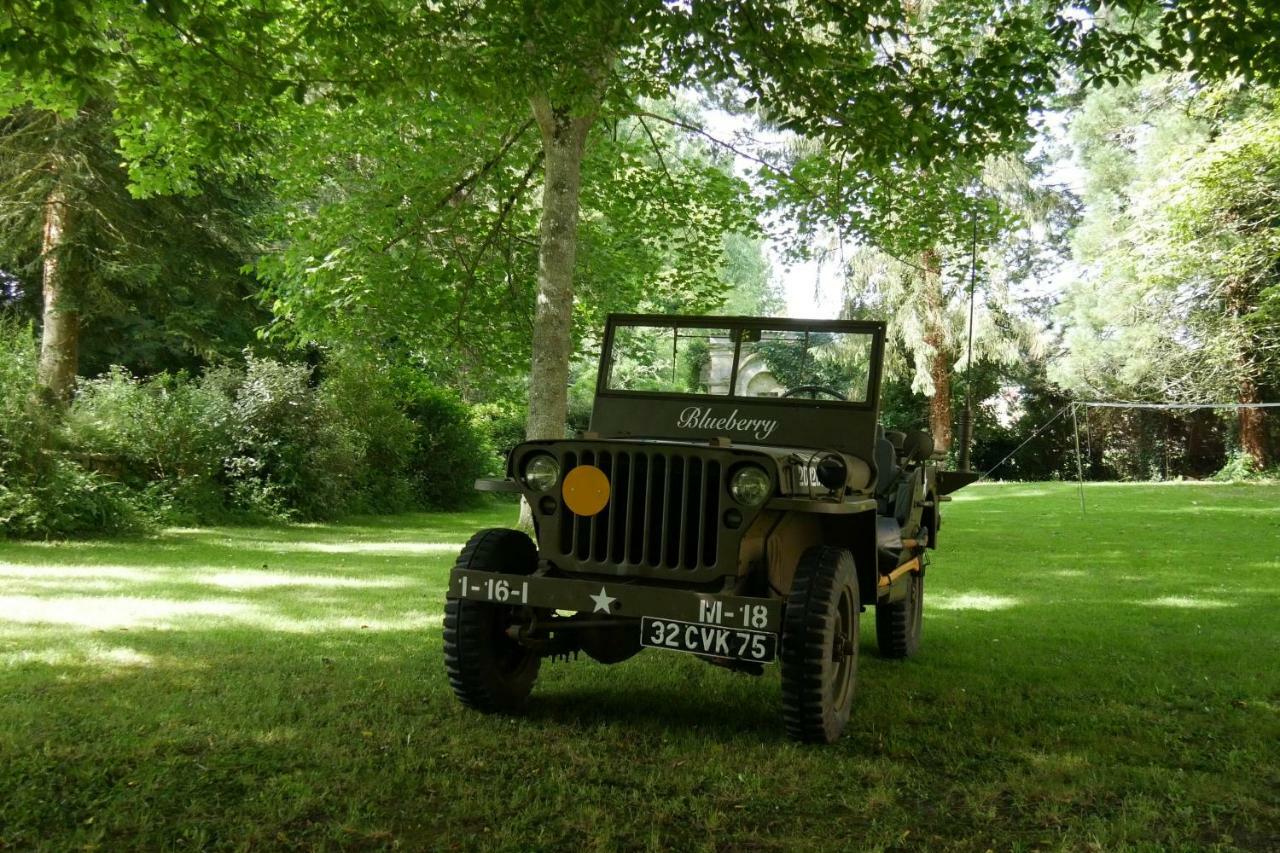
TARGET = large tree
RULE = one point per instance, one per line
(1180, 245)
(114, 279)
(204, 84)
(433, 259)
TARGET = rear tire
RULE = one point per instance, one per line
(488, 670)
(900, 624)
(820, 646)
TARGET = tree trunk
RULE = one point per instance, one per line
(1253, 422)
(60, 333)
(564, 139)
(941, 356)
(940, 404)
(1253, 425)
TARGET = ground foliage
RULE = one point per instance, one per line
(268, 439)
(281, 687)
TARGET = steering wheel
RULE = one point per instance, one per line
(813, 389)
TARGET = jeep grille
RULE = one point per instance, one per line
(662, 519)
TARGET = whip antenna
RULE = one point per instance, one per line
(966, 416)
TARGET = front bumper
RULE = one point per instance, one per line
(617, 598)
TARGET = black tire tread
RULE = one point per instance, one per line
(898, 624)
(468, 658)
(806, 624)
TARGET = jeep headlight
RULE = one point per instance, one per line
(541, 472)
(750, 485)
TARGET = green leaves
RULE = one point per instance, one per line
(422, 244)
(1180, 242)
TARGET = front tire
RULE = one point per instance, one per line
(488, 670)
(820, 646)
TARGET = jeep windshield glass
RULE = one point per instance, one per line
(741, 362)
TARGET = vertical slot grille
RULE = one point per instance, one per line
(663, 511)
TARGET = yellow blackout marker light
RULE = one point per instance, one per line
(586, 490)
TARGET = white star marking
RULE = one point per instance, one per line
(603, 601)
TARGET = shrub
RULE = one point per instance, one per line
(1241, 467)
(166, 437)
(502, 426)
(449, 453)
(62, 499)
(43, 492)
(293, 457)
(257, 441)
(261, 440)
(23, 430)
(382, 436)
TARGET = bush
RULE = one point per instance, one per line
(502, 426)
(293, 455)
(449, 453)
(261, 440)
(43, 491)
(1241, 468)
(258, 441)
(22, 434)
(166, 437)
(63, 499)
(382, 436)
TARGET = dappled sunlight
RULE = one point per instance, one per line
(318, 625)
(63, 585)
(999, 490)
(122, 612)
(1216, 509)
(1056, 761)
(369, 548)
(1066, 660)
(88, 578)
(67, 544)
(114, 612)
(81, 572)
(973, 601)
(254, 579)
(1187, 602)
(91, 655)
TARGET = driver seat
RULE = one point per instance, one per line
(887, 470)
(888, 475)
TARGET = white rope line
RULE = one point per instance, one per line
(1104, 405)
(1101, 405)
(1047, 424)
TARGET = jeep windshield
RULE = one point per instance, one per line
(764, 360)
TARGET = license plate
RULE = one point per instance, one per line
(713, 640)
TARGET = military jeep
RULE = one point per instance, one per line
(734, 498)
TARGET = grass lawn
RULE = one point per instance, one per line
(1100, 681)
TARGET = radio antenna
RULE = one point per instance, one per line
(966, 416)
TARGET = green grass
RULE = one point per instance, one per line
(1100, 681)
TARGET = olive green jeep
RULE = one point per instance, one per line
(735, 498)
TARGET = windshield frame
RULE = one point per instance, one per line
(874, 329)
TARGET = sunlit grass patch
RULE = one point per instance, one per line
(92, 654)
(973, 601)
(1104, 680)
(1187, 602)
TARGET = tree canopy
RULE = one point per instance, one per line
(466, 188)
